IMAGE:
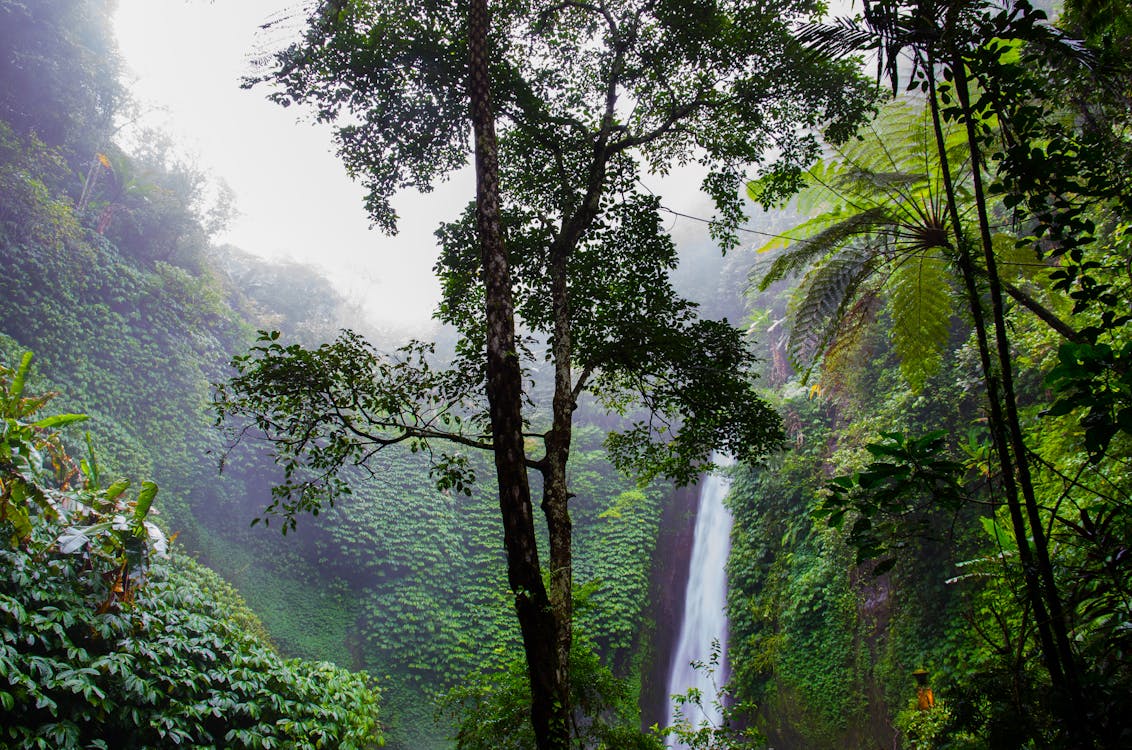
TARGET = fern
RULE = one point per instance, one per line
(826, 293)
(807, 250)
(920, 305)
(874, 204)
(847, 350)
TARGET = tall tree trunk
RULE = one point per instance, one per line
(556, 492)
(1003, 421)
(550, 708)
(995, 419)
(1043, 567)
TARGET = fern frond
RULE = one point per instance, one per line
(805, 250)
(859, 180)
(822, 187)
(826, 292)
(843, 36)
(816, 192)
(920, 306)
(801, 233)
(897, 139)
(845, 352)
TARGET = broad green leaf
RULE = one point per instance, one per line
(145, 500)
(20, 379)
(115, 490)
(60, 420)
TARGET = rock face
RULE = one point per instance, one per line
(666, 600)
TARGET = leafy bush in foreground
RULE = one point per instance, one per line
(107, 642)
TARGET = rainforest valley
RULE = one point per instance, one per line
(236, 511)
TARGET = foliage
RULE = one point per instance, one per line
(926, 729)
(1095, 378)
(135, 341)
(586, 262)
(877, 230)
(894, 496)
(491, 708)
(1029, 159)
(104, 644)
(342, 403)
(60, 76)
(791, 613)
(703, 734)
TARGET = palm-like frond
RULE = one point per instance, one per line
(826, 293)
(846, 350)
(841, 37)
(881, 207)
(826, 238)
(886, 31)
(920, 306)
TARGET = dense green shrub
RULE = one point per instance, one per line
(106, 641)
(491, 709)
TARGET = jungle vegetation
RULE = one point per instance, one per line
(934, 472)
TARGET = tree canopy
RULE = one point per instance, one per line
(586, 99)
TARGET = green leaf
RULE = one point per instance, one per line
(920, 303)
(20, 379)
(1001, 539)
(60, 420)
(145, 500)
(826, 293)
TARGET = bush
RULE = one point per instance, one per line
(108, 641)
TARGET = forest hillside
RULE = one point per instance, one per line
(930, 398)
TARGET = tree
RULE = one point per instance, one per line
(59, 76)
(987, 67)
(548, 667)
(878, 232)
(586, 96)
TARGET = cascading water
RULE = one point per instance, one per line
(705, 600)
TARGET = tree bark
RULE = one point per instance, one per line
(550, 706)
(1003, 422)
(556, 492)
(1047, 586)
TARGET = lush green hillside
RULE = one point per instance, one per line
(107, 640)
(111, 279)
(885, 538)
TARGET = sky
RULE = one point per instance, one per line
(184, 60)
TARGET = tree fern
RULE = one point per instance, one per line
(872, 196)
(920, 304)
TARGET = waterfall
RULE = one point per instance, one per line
(705, 600)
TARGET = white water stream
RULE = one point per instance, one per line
(705, 618)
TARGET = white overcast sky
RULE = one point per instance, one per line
(184, 60)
